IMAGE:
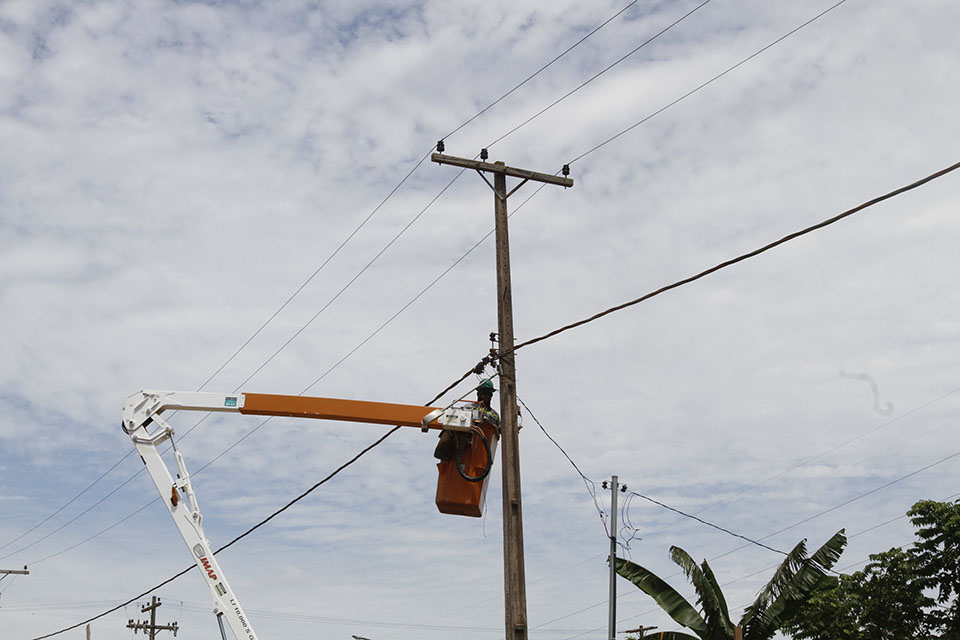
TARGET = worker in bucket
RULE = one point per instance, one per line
(447, 446)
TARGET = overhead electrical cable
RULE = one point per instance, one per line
(352, 280)
(709, 524)
(597, 75)
(849, 537)
(815, 457)
(850, 501)
(741, 258)
(319, 269)
(708, 82)
(67, 504)
(69, 522)
(543, 68)
(647, 498)
(95, 535)
(590, 484)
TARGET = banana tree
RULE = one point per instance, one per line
(794, 579)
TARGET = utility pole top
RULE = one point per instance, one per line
(151, 628)
(499, 167)
(17, 572)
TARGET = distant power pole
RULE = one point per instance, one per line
(152, 627)
(514, 587)
(17, 572)
(612, 607)
(14, 572)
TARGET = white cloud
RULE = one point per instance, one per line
(173, 171)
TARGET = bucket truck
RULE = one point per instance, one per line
(461, 485)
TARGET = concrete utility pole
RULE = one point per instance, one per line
(514, 584)
(152, 628)
(612, 613)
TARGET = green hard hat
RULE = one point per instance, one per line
(486, 385)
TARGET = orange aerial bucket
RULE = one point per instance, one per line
(462, 485)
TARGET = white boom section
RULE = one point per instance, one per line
(140, 410)
(144, 408)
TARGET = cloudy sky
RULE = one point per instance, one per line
(190, 198)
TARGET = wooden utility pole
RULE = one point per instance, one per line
(152, 627)
(14, 572)
(514, 583)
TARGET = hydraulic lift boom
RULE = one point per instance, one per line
(144, 408)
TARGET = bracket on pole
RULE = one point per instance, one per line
(494, 167)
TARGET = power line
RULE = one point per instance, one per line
(850, 501)
(708, 82)
(68, 503)
(745, 256)
(392, 192)
(72, 520)
(594, 77)
(542, 69)
(816, 457)
(709, 524)
(640, 495)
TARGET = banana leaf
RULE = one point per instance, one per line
(666, 596)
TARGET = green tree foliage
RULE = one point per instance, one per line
(901, 594)
(937, 556)
(774, 606)
(884, 601)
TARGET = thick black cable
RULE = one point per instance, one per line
(745, 256)
(708, 82)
